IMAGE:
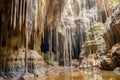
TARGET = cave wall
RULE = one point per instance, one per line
(43, 16)
(17, 17)
(12, 28)
(112, 36)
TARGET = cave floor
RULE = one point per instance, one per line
(75, 74)
(83, 75)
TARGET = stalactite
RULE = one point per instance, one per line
(104, 4)
(43, 16)
(17, 8)
(50, 41)
(35, 18)
(41, 21)
(64, 52)
(43, 33)
(20, 14)
(12, 4)
(36, 14)
(67, 48)
(79, 4)
(23, 23)
(52, 55)
(0, 40)
(39, 35)
(57, 52)
(23, 11)
(70, 7)
(44, 13)
(26, 34)
(43, 9)
(14, 22)
(70, 46)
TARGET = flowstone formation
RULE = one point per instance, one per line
(13, 63)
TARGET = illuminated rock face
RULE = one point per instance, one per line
(41, 15)
(112, 36)
(42, 18)
(112, 39)
(112, 60)
(51, 27)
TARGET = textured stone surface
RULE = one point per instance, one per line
(112, 34)
(107, 64)
(117, 70)
(14, 63)
(112, 60)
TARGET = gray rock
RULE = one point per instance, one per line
(117, 70)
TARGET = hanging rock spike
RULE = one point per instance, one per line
(12, 12)
(20, 15)
(14, 22)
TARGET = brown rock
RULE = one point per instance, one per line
(112, 60)
(75, 62)
(27, 76)
(107, 64)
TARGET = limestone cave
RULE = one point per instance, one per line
(59, 39)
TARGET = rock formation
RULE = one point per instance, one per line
(13, 64)
(112, 60)
(60, 29)
(112, 35)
